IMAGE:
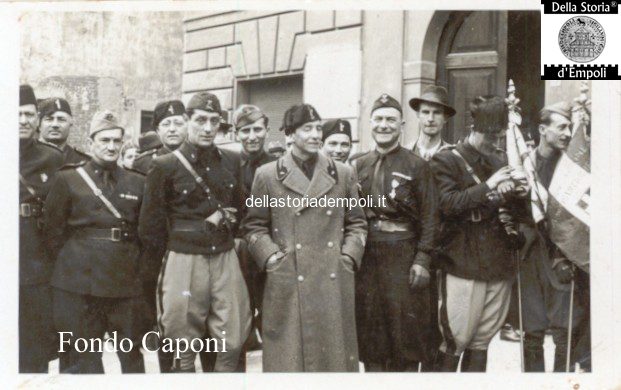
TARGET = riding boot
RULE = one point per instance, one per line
(474, 360)
(445, 362)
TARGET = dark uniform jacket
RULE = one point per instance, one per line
(97, 267)
(410, 196)
(172, 197)
(470, 248)
(143, 162)
(247, 168)
(38, 163)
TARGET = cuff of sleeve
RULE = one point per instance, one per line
(423, 259)
(557, 261)
(355, 250)
(261, 247)
(478, 193)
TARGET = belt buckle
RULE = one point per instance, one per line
(115, 234)
(25, 210)
(476, 215)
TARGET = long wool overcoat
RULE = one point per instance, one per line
(308, 303)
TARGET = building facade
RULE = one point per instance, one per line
(341, 61)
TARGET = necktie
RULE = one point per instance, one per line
(377, 186)
(107, 179)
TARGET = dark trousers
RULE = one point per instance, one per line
(90, 317)
(582, 349)
(395, 323)
(36, 331)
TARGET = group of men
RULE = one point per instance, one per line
(410, 282)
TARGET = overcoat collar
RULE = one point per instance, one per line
(321, 182)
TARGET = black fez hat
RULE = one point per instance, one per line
(149, 140)
(52, 105)
(336, 126)
(435, 95)
(297, 115)
(489, 113)
(205, 101)
(385, 100)
(165, 109)
(26, 95)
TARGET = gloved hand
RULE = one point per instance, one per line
(516, 239)
(564, 271)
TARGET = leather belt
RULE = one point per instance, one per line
(190, 225)
(28, 210)
(386, 225)
(111, 234)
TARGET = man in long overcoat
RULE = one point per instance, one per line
(309, 252)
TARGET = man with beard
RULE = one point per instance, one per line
(170, 122)
(393, 313)
(337, 139)
(546, 272)
(476, 251)
(91, 221)
(310, 253)
(191, 200)
(433, 111)
(56, 124)
(38, 163)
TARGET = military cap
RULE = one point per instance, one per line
(52, 105)
(274, 147)
(149, 140)
(165, 109)
(205, 101)
(336, 126)
(247, 114)
(297, 115)
(26, 95)
(435, 95)
(104, 120)
(489, 114)
(385, 100)
(561, 108)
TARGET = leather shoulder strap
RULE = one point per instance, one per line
(30, 189)
(468, 167)
(98, 192)
(197, 178)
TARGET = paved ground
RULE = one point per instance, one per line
(503, 357)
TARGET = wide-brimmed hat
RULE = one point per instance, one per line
(435, 95)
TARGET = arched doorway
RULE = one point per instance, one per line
(479, 51)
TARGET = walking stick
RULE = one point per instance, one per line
(570, 325)
(519, 282)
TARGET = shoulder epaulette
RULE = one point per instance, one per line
(281, 170)
(72, 165)
(81, 153)
(134, 171)
(446, 147)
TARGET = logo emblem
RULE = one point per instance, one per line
(208, 104)
(582, 39)
(342, 127)
(58, 104)
(384, 98)
(44, 177)
(311, 113)
(171, 110)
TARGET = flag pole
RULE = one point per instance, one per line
(515, 156)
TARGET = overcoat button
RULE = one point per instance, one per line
(297, 214)
(298, 246)
(329, 212)
(300, 278)
(332, 276)
(330, 244)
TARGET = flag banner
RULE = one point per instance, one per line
(568, 204)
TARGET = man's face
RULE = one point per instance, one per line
(558, 133)
(487, 143)
(431, 118)
(173, 130)
(252, 136)
(386, 126)
(106, 145)
(55, 127)
(129, 157)
(28, 121)
(203, 127)
(307, 138)
(337, 146)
